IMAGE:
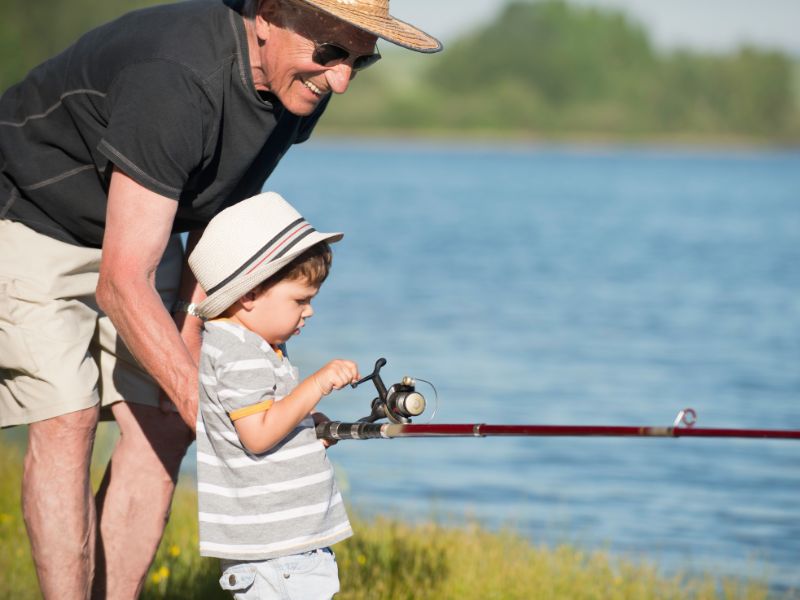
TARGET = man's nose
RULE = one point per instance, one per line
(339, 77)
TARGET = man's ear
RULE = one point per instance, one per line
(266, 15)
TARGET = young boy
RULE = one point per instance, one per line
(268, 504)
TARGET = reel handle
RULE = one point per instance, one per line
(376, 375)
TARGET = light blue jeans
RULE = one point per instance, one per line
(311, 575)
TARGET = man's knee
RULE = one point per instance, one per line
(147, 430)
(63, 444)
(57, 498)
(171, 439)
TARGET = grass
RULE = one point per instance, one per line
(389, 559)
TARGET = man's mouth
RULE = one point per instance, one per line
(313, 88)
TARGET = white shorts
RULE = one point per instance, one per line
(310, 575)
(58, 352)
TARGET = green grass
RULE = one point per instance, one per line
(388, 559)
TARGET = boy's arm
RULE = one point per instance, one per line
(190, 291)
(261, 431)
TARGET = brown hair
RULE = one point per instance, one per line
(312, 266)
(281, 12)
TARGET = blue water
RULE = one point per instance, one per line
(571, 285)
(568, 285)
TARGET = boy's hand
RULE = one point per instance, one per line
(335, 375)
(323, 418)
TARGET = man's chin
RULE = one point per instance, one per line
(302, 107)
(306, 112)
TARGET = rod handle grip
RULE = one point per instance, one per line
(336, 430)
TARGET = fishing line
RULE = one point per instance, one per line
(435, 400)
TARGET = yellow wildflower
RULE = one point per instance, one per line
(174, 550)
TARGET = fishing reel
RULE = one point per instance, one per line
(398, 404)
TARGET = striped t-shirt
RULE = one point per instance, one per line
(251, 507)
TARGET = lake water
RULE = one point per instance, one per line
(563, 285)
(569, 285)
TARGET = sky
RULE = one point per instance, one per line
(714, 25)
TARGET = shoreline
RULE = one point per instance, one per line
(483, 138)
(390, 557)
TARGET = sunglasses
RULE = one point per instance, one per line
(328, 54)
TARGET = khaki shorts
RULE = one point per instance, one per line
(58, 352)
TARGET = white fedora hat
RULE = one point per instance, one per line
(245, 244)
(373, 16)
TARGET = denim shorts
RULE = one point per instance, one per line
(310, 575)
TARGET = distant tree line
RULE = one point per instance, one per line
(33, 30)
(541, 68)
(549, 67)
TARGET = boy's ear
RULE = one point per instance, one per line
(248, 299)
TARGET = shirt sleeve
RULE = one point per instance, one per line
(158, 113)
(245, 377)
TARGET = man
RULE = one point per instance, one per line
(146, 127)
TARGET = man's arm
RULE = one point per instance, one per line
(138, 227)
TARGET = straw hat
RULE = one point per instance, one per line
(373, 16)
(247, 243)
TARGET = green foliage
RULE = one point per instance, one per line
(566, 54)
(178, 571)
(31, 32)
(17, 575)
(749, 92)
(387, 559)
(551, 68)
(543, 67)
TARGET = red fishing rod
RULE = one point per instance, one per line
(402, 401)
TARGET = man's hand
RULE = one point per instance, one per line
(190, 329)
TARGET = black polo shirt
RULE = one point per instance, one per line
(165, 94)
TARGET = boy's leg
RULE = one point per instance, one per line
(57, 502)
(134, 498)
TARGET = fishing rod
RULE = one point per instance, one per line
(401, 402)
